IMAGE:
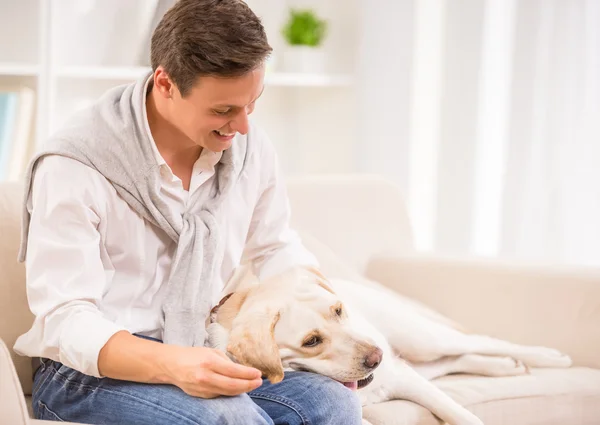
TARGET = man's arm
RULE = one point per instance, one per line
(66, 281)
(272, 246)
(65, 275)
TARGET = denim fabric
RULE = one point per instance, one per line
(63, 394)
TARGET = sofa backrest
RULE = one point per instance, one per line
(15, 316)
(357, 216)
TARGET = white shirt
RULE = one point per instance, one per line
(95, 266)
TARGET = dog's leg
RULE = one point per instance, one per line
(532, 356)
(424, 341)
(431, 341)
(399, 381)
(474, 364)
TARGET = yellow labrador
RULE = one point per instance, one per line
(373, 341)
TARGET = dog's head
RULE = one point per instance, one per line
(296, 321)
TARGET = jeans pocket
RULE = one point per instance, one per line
(44, 413)
(41, 376)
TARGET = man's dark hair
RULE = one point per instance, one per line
(222, 38)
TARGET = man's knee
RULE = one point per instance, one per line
(307, 398)
(337, 405)
(239, 410)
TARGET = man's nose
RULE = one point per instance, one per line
(240, 123)
(373, 359)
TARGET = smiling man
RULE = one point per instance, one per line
(135, 215)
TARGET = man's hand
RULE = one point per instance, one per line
(208, 373)
(198, 371)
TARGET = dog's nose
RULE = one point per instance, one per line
(373, 359)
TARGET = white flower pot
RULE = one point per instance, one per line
(304, 59)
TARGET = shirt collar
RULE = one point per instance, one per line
(207, 160)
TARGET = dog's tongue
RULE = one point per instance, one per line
(352, 385)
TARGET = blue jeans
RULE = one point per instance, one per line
(63, 394)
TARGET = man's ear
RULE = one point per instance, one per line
(252, 343)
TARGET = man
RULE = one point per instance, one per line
(137, 213)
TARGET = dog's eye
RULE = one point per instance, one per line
(312, 342)
(338, 311)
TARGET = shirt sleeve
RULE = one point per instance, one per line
(272, 245)
(66, 278)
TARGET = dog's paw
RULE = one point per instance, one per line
(545, 357)
(507, 366)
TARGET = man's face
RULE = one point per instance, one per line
(216, 109)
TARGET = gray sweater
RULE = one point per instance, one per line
(110, 138)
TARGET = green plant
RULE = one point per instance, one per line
(304, 28)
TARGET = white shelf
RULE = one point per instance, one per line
(15, 69)
(274, 78)
(308, 80)
(102, 72)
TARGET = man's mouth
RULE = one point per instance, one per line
(357, 385)
(223, 136)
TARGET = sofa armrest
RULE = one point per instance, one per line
(12, 400)
(550, 306)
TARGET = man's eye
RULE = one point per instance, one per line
(338, 311)
(222, 112)
(312, 342)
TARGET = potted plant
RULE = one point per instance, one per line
(304, 33)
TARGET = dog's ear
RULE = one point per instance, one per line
(321, 279)
(229, 308)
(252, 343)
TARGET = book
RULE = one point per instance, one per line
(8, 108)
(17, 121)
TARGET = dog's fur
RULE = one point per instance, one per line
(302, 321)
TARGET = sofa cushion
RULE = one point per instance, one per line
(546, 396)
(15, 316)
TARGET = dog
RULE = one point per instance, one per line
(368, 338)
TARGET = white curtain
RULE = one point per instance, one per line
(552, 195)
(512, 169)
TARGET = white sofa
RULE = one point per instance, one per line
(358, 227)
